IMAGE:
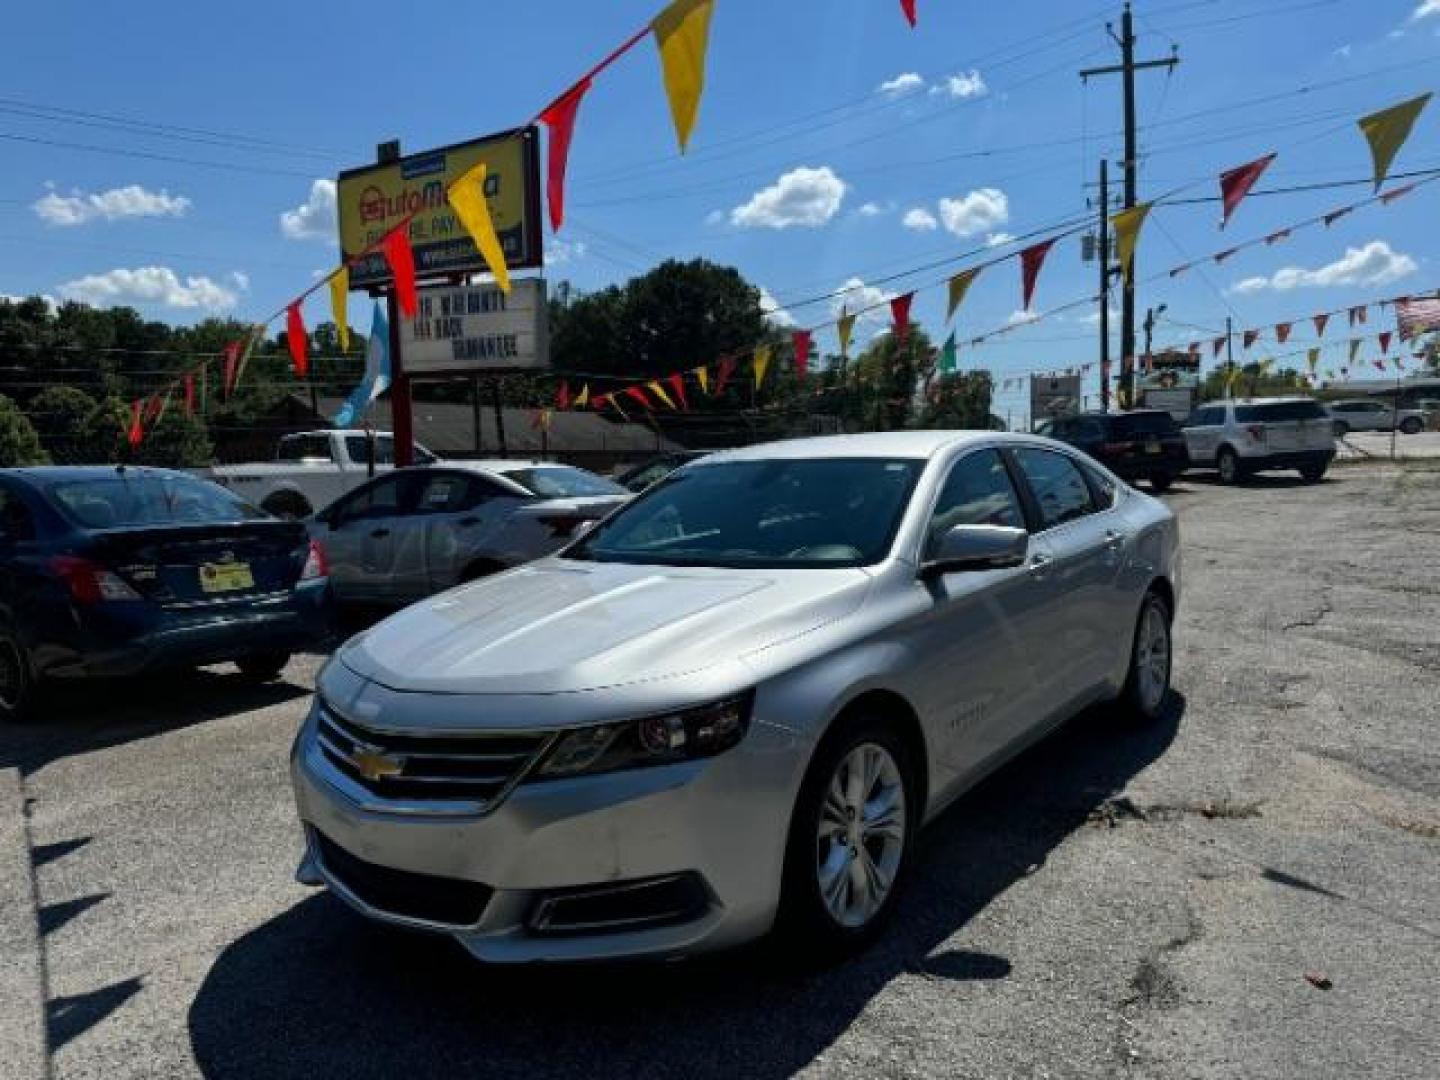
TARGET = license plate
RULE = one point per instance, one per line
(1152, 448)
(226, 577)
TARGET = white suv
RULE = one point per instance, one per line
(1248, 435)
(1372, 415)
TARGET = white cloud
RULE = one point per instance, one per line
(803, 197)
(918, 219)
(1374, 264)
(1343, 52)
(854, 295)
(774, 313)
(967, 84)
(558, 252)
(1425, 10)
(998, 239)
(314, 219)
(50, 301)
(132, 201)
(901, 85)
(150, 285)
(1092, 318)
(1020, 318)
(715, 217)
(874, 209)
(241, 280)
(969, 215)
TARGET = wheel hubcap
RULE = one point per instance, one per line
(861, 836)
(1152, 658)
(11, 676)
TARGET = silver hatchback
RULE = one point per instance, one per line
(731, 705)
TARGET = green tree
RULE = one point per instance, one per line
(19, 443)
(59, 415)
(958, 400)
(1252, 380)
(176, 441)
(888, 376)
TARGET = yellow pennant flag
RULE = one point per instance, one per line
(659, 392)
(339, 297)
(761, 363)
(1127, 231)
(959, 286)
(1313, 359)
(682, 34)
(1354, 349)
(467, 197)
(844, 327)
(1387, 130)
(1231, 376)
(582, 398)
(702, 375)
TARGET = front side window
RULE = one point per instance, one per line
(978, 491)
(1057, 484)
(123, 501)
(378, 499)
(304, 448)
(779, 513)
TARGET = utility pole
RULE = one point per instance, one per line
(1229, 357)
(1104, 286)
(1126, 69)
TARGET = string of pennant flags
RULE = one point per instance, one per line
(681, 34)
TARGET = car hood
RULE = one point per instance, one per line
(562, 626)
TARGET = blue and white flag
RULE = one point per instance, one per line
(377, 373)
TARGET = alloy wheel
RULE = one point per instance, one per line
(861, 837)
(12, 677)
(1152, 658)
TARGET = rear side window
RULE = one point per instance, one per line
(563, 482)
(1275, 411)
(1209, 417)
(1057, 484)
(128, 501)
(977, 492)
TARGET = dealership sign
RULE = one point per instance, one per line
(477, 328)
(1054, 396)
(372, 200)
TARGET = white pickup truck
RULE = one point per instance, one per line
(311, 470)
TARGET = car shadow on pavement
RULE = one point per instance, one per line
(318, 991)
(94, 715)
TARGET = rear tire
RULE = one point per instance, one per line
(263, 667)
(1411, 425)
(853, 827)
(1147, 683)
(1160, 482)
(17, 682)
(1227, 464)
(1312, 474)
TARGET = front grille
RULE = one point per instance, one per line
(401, 892)
(472, 769)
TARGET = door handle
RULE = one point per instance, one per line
(1039, 565)
(1113, 540)
(379, 534)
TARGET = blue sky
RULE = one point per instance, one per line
(834, 143)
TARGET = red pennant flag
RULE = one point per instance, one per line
(1216, 346)
(1236, 183)
(598, 401)
(677, 383)
(232, 358)
(189, 395)
(1221, 256)
(1194, 349)
(724, 370)
(559, 117)
(1379, 365)
(1277, 236)
(1397, 193)
(1336, 215)
(562, 394)
(900, 316)
(1385, 341)
(295, 339)
(1031, 259)
(401, 258)
(1320, 321)
(801, 341)
(908, 7)
(1179, 270)
(1357, 314)
(1251, 336)
(1282, 332)
(638, 394)
(136, 433)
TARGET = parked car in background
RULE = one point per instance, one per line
(413, 532)
(639, 477)
(730, 706)
(1142, 445)
(116, 571)
(312, 469)
(1370, 414)
(1243, 436)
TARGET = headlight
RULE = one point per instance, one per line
(650, 740)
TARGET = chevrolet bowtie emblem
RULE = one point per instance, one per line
(376, 766)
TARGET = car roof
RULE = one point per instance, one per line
(49, 474)
(879, 444)
(1268, 400)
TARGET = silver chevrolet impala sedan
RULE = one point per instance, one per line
(728, 707)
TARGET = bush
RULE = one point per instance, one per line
(59, 414)
(19, 443)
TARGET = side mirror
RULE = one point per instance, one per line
(977, 547)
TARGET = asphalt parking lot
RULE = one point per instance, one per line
(1144, 903)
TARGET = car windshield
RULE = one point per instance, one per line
(128, 501)
(823, 512)
(563, 482)
(358, 449)
(1153, 423)
(1279, 410)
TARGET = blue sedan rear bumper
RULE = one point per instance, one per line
(123, 639)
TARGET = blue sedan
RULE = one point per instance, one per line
(115, 571)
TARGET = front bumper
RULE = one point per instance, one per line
(712, 830)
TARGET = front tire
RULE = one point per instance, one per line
(17, 683)
(851, 836)
(1312, 474)
(263, 667)
(1160, 482)
(1341, 429)
(1227, 464)
(1147, 683)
